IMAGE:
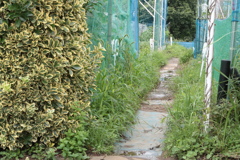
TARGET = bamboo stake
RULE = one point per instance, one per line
(209, 59)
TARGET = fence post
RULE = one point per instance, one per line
(223, 80)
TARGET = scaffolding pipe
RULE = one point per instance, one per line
(209, 60)
(161, 26)
(234, 30)
(154, 9)
(146, 9)
(154, 24)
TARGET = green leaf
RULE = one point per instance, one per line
(49, 76)
(18, 23)
(65, 29)
(76, 67)
(70, 72)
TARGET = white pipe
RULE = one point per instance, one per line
(219, 8)
(146, 9)
(161, 28)
(154, 9)
(208, 81)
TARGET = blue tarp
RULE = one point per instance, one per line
(186, 44)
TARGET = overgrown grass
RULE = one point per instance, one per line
(186, 138)
(118, 96)
(179, 51)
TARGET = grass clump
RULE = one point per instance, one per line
(186, 138)
(120, 89)
(179, 51)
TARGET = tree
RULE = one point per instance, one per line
(181, 18)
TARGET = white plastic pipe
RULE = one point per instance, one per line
(209, 59)
(146, 9)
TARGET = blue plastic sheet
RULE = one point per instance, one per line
(201, 36)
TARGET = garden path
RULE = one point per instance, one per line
(144, 140)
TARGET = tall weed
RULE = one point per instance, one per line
(120, 89)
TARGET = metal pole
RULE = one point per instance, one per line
(154, 24)
(209, 59)
(161, 25)
(234, 30)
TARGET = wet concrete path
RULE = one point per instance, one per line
(144, 140)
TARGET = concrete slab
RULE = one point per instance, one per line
(158, 96)
(108, 158)
(157, 102)
(115, 158)
(144, 138)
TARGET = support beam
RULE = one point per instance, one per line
(209, 59)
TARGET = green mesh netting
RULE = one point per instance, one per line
(160, 23)
(222, 43)
(113, 22)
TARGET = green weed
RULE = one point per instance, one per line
(72, 146)
(7, 155)
(120, 89)
(179, 51)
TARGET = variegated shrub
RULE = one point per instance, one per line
(45, 66)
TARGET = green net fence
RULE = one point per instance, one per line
(112, 23)
(159, 25)
(222, 44)
(226, 36)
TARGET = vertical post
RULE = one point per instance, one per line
(209, 59)
(235, 20)
(164, 21)
(154, 24)
(198, 9)
(109, 33)
(223, 80)
(157, 25)
(134, 33)
(161, 24)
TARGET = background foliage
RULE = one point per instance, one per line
(186, 137)
(181, 19)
